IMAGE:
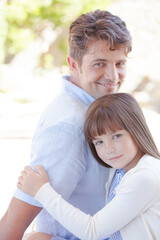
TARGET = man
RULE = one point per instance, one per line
(98, 46)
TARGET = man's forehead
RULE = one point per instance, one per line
(101, 47)
(105, 56)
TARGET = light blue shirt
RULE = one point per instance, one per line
(115, 182)
(59, 146)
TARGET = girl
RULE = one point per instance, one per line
(119, 138)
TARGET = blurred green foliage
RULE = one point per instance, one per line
(23, 21)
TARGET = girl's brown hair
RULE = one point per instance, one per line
(116, 112)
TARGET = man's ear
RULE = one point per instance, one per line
(73, 65)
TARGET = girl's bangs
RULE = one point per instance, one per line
(102, 124)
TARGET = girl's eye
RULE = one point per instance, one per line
(98, 142)
(116, 136)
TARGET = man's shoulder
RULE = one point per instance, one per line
(64, 108)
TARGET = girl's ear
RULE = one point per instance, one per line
(73, 65)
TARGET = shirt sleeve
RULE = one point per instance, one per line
(131, 199)
(60, 149)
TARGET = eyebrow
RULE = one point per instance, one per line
(100, 60)
(105, 60)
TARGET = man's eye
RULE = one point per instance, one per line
(120, 64)
(99, 64)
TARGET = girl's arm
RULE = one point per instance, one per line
(131, 199)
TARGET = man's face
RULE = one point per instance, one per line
(102, 71)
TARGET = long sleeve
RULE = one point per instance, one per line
(130, 194)
(50, 150)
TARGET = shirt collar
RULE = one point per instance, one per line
(76, 91)
(121, 171)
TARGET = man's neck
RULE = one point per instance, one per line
(73, 80)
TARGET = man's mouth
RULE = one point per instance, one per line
(108, 85)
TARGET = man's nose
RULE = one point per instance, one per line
(111, 73)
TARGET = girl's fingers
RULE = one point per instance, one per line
(20, 179)
(28, 169)
(19, 185)
(39, 169)
(20, 182)
(23, 173)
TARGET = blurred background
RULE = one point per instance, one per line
(33, 52)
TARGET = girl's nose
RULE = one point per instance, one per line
(109, 148)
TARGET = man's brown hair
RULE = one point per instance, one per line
(97, 25)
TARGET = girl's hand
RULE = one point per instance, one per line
(31, 181)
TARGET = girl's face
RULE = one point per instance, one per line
(118, 149)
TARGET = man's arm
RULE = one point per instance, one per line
(17, 218)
